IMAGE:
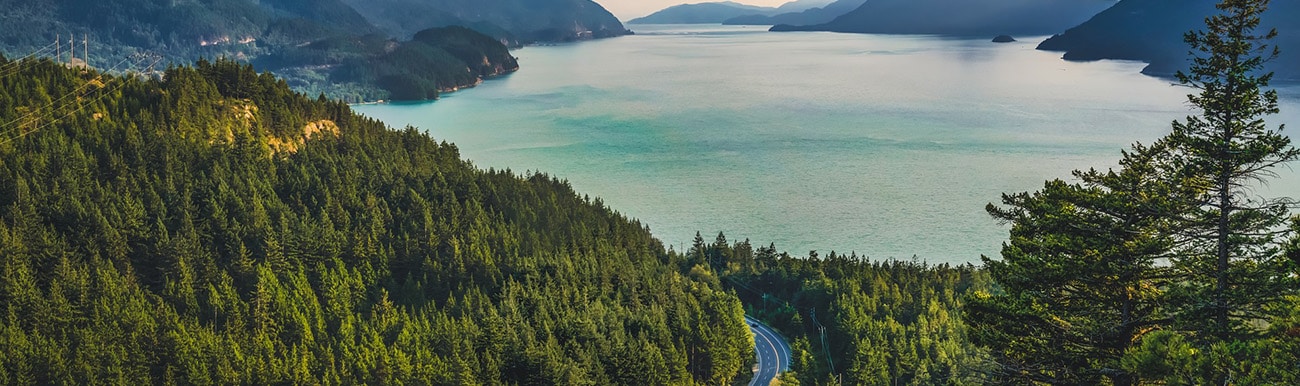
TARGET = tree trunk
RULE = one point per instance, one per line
(1221, 287)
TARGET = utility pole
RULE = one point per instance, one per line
(85, 47)
(58, 48)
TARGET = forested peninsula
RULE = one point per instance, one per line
(369, 68)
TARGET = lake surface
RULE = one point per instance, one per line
(887, 146)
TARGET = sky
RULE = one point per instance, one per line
(631, 9)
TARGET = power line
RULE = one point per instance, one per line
(15, 65)
(74, 92)
(122, 84)
(6, 134)
(38, 51)
(826, 347)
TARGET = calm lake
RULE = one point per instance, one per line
(887, 146)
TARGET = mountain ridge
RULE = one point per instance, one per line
(530, 20)
(702, 13)
(1152, 31)
(961, 17)
(815, 15)
(721, 11)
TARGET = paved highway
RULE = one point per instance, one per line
(772, 350)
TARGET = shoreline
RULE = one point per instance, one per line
(441, 91)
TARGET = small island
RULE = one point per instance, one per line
(1004, 39)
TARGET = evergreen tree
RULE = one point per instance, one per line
(1079, 274)
(1230, 257)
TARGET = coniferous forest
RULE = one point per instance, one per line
(212, 226)
(853, 321)
(216, 228)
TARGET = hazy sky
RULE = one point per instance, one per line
(630, 9)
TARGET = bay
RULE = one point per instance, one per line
(884, 146)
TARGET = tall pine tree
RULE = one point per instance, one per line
(1230, 256)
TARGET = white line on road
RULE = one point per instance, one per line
(767, 335)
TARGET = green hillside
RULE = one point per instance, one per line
(216, 228)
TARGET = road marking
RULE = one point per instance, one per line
(763, 332)
(773, 346)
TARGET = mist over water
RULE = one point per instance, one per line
(887, 146)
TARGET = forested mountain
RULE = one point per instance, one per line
(528, 20)
(1152, 31)
(961, 17)
(816, 15)
(231, 28)
(305, 41)
(216, 228)
(702, 13)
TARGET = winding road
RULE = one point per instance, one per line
(772, 350)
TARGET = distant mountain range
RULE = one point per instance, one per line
(305, 41)
(1152, 31)
(718, 12)
(802, 5)
(961, 17)
(702, 13)
(814, 15)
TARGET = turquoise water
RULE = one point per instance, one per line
(887, 146)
